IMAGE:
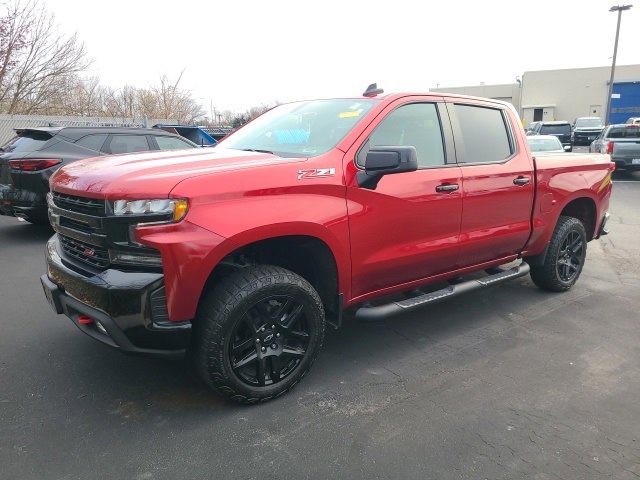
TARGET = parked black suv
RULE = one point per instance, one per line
(30, 158)
(560, 129)
(586, 129)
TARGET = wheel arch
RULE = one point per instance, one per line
(581, 206)
(309, 256)
(584, 209)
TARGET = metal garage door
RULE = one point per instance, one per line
(625, 101)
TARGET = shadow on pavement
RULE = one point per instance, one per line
(626, 176)
(23, 232)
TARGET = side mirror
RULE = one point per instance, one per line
(380, 161)
(567, 148)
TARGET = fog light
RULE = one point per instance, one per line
(135, 258)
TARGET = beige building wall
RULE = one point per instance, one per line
(556, 94)
(570, 93)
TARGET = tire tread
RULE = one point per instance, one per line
(215, 310)
(545, 275)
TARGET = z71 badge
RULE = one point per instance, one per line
(316, 173)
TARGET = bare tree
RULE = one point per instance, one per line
(176, 103)
(36, 62)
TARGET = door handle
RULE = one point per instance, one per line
(521, 180)
(447, 187)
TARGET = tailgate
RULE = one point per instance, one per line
(627, 149)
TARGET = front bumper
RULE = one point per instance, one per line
(584, 138)
(125, 310)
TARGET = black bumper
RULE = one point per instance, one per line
(125, 310)
(584, 138)
(22, 203)
(625, 164)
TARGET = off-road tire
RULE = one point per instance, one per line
(231, 305)
(549, 276)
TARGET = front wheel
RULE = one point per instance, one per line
(257, 333)
(565, 257)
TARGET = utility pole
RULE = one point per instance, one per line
(619, 9)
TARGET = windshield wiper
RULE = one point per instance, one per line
(258, 150)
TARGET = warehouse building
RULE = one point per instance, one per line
(566, 94)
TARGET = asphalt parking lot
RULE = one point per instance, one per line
(509, 382)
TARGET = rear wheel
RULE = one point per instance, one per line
(257, 333)
(565, 257)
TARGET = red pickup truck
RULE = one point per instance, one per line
(241, 254)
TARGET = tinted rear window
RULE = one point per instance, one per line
(27, 142)
(624, 132)
(171, 143)
(485, 134)
(557, 129)
(93, 142)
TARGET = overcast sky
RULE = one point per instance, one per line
(237, 54)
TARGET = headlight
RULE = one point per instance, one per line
(175, 208)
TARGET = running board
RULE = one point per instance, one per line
(383, 311)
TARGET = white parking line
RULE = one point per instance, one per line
(626, 181)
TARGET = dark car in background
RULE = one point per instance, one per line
(34, 154)
(622, 142)
(586, 129)
(559, 129)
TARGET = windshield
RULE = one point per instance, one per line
(557, 129)
(544, 144)
(301, 128)
(588, 122)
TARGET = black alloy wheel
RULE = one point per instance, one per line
(269, 341)
(570, 256)
(565, 257)
(257, 333)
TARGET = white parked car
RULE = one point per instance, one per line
(546, 144)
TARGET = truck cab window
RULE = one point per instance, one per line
(484, 133)
(416, 125)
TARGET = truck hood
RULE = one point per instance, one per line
(152, 174)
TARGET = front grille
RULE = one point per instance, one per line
(75, 225)
(93, 255)
(88, 206)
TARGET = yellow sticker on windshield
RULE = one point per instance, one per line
(349, 114)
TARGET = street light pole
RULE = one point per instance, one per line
(619, 9)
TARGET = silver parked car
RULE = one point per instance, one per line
(546, 144)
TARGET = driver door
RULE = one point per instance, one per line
(407, 228)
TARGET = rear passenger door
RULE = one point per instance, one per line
(497, 182)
